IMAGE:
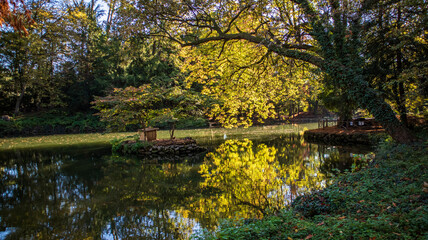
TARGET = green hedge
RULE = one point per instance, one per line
(51, 123)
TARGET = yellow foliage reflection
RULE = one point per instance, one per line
(250, 181)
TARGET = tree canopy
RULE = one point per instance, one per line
(251, 60)
(326, 34)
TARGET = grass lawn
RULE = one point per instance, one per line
(105, 139)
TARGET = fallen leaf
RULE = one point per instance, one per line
(341, 218)
(309, 236)
(321, 223)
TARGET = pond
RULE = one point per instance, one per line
(86, 192)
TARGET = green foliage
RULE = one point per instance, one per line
(327, 34)
(383, 201)
(130, 147)
(338, 101)
(397, 48)
(51, 123)
(182, 123)
(129, 106)
(148, 104)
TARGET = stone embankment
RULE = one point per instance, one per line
(173, 147)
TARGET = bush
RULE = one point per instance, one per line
(51, 123)
(129, 145)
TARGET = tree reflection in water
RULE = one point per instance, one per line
(252, 179)
(91, 194)
(55, 196)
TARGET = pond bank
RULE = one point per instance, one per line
(161, 147)
(343, 136)
(385, 200)
(105, 139)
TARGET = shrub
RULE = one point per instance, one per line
(51, 123)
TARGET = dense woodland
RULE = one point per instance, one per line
(238, 62)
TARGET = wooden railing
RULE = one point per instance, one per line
(323, 123)
(327, 123)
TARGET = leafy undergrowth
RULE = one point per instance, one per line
(383, 201)
(51, 123)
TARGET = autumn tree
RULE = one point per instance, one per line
(128, 106)
(147, 104)
(326, 34)
(14, 13)
(246, 82)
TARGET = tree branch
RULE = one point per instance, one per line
(286, 50)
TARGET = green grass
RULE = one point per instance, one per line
(202, 135)
(60, 140)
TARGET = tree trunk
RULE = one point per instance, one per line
(344, 63)
(402, 107)
(315, 107)
(400, 94)
(367, 98)
(171, 130)
(19, 99)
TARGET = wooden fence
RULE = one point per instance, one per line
(327, 123)
(323, 123)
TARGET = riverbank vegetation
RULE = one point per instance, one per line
(384, 200)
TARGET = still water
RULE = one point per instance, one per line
(88, 193)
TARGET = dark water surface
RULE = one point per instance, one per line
(88, 193)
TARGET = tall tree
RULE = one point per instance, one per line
(29, 61)
(397, 48)
(327, 34)
(83, 32)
